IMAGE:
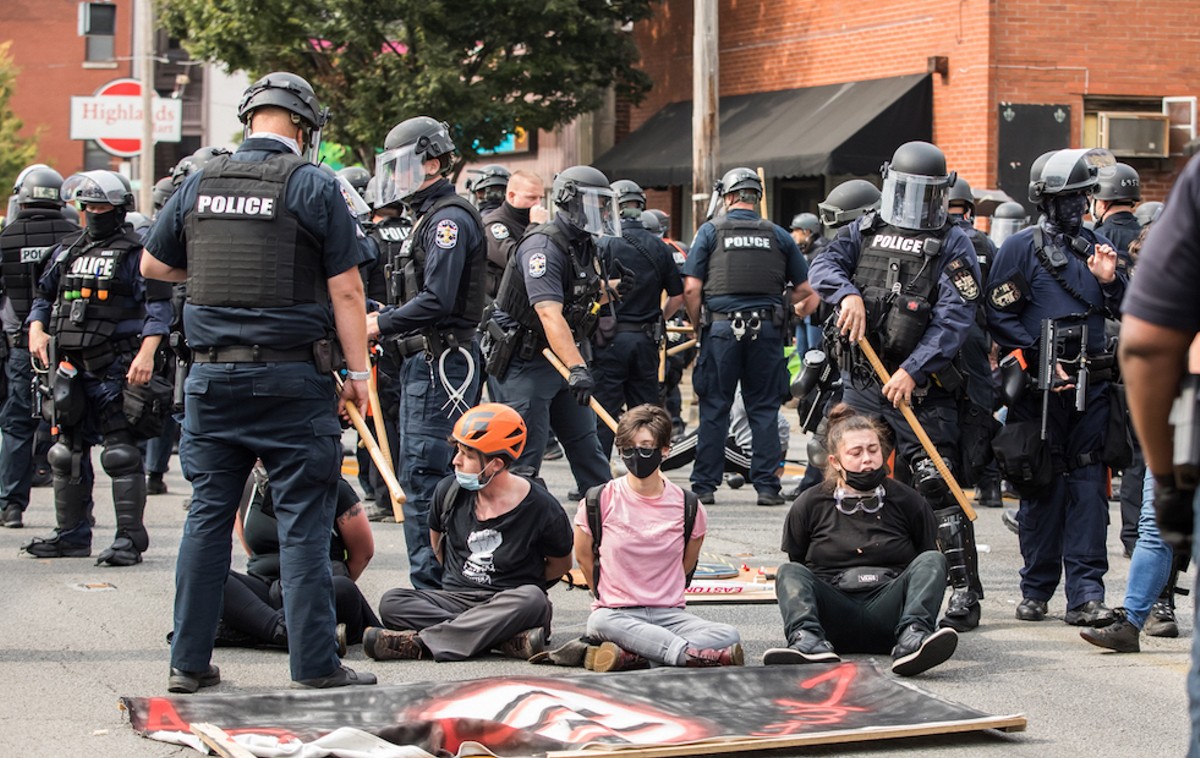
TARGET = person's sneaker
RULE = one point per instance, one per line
(341, 677)
(13, 518)
(53, 547)
(1032, 610)
(553, 452)
(1009, 519)
(726, 656)
(386, 644)
(962, 612)
(609, 656)
(342, 648)
(1120, 636)
(770, 498)
(524, 645)
(706, 498)
(187, 682)
(805, 648)
(1161, 621)
(379, 513)
(155, 484)
(918, 650)
(1092, 613)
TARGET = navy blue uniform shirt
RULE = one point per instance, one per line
(315, 199)
(448, 237)
(952, 313)
(1122, 228)
(702, 248)
(652, 265)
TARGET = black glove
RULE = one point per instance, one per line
(1173, 511)
(581, 384)
(628, 280)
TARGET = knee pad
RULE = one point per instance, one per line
(59, 458)
(817, 454)
(927, 480)
(121, 459)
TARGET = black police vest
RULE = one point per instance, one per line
(25, 244)
(897, 260)
(581, 286)
(410, 263)
(747, 259)
(389, 236)
(92, 297)
(245, 248)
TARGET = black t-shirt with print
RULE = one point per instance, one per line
(501, 553)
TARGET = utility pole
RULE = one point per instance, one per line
(706, 133)
(145, 37)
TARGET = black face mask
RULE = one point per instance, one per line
(104, 225)
(1065, 213)
(866, 481)
(521, 214)
(642, 461)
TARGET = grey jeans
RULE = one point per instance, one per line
(661, 635)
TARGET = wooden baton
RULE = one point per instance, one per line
(919, 430)
(386, 471)
(566, 374)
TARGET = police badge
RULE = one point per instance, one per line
(499, 231)
(446, 234)
(964, 281)
(537, 265)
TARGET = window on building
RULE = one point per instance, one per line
(98, 27)
(1137, 127)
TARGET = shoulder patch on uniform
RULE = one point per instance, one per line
(537, 265)
(499, 231)
(1008, 293)
(446, 234)
(963, 280)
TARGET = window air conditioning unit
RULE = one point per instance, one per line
(1135, 135)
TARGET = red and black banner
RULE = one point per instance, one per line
(518, 716)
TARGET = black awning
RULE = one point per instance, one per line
(832, 129)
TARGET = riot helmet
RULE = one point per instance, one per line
(1121, 183)
(1061, 172)
(664, 220)
(1148, 212)
(357, 176)
(163, 189)
(1007, 220)
(583, 196)
(961, 193)
(39, 187)
(915, 186)
(194, 163)
(490, 185)
(138, 220)
(630, 198)
(296, 96)
(100, 187)
(848, 201)
(806, 221)
(651, 223)
(371, 193)
(401, 165)
(24, 172)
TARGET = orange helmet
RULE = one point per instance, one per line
(492, 429)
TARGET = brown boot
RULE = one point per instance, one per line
(386, 644)
(728, 656)
(524, 645)
(609, 656)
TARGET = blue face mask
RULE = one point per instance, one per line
(471, 482)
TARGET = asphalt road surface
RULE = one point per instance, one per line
(69, 654)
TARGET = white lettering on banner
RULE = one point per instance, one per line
(745, 241)
(235, 205)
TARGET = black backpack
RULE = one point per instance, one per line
(691, 505)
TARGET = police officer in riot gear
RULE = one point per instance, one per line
(738, 272)
(626, 364)
(438, 282)
(1008, 219)
(806, 231)
(848, 202)
(550, 296)
(96, 325)
(1059, 276)
(163, 189)
(907, 279)
(1118, 190)
(505, 224)
(489, 187)
(1148, 212)
(357, 177)
(25, 245)
(270, 252)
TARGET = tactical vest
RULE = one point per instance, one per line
(25, 244)
(92, 297)
(245, 248)
(581, 286)
(747, 259)
(389, 235)
(408, 269)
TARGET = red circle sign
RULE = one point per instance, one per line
(122, 148)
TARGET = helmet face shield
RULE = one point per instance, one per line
(101, 187)
(594, 210)
(354, 201)
(1060, 172)
(914, 201)
(1003, 228)
(400, 173)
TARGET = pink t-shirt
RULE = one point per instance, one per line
(641, 548)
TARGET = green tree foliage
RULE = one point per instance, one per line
(484, 66)
(16, 152)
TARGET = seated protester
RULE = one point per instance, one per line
(646, 559)
(502, 541)
(865, 572)
(253, 605)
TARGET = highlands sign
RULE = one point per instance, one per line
(113, 118)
